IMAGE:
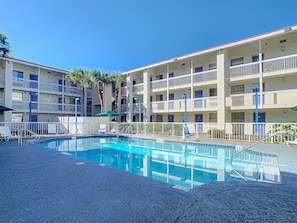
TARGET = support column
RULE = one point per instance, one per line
(261, 75)
(146, 96)
(221, 87)
(129, 99)
(8, 90)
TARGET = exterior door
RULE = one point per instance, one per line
(171, 103)
(260, 127)
(198, 102)
(199, 118)
(170, 118)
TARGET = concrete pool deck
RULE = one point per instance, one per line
(43, 185)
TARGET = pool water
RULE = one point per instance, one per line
(178, 163)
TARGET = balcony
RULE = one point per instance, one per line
(159, 85)
(123, 91)
(25, 84)
(272, 99)
(137, 89)
(245, 70)
(276, 66)
(71, 90)
(282, 65)
(202, 78)
(45, 107)
(180, 82)
(51, 88)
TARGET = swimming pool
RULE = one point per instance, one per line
(184, 164)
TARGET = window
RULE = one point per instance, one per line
(255, 58)
(198, 69)
(237, 89)
(237, 117)
(213, 117)
(213, 92)
(17, 117)
(159, 77)
(170, 75)
(18, 74)
(134, 82)
(159, 97)
(237, 61)
(212, 66)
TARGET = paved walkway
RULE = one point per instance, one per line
(43, 185)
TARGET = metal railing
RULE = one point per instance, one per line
(25, 133)
(256, 165)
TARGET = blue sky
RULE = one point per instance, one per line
(126, 34)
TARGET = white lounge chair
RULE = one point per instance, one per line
(5, 133)
(102, 129)
(293, 143)
(114, 129)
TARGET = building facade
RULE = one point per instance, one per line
(224, 84)
(38, 93)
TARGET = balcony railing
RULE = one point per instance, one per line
(205, 76)
(123, 91)
(272, 99)
(45, 107)
(286, 63)
(137, 88)
(244, 70)
(180, 81)
(159, 85)
(20, 83)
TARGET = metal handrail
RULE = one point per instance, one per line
(250, 146)
(21, 135)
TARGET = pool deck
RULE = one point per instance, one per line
(43, 185)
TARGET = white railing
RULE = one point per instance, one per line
(158, 85)
(280, 64)
(244, 70)
(123, 91)
(51, 87)
(205, 130)
(72, 90)
(205, 76)
(137, 88)
(180, 80)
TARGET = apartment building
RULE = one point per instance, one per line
(224, 84)
(39, 93)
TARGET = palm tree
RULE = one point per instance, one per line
(4, 44)
(116, 77)
(99, 78)
(80, 76)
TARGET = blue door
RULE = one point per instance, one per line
(170, 118)
(198, 102)
(60, 85)
(199, 118)
(34, 79)
(60, 102)
(260, 127)
(171, 103)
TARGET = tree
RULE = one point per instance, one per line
(116, 78)
(4, 44)
(80, 76)
(99, 78)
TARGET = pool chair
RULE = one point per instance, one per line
(291, 143)
(102, 129)
(114, 129)
(5, 133)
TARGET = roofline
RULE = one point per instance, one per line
(219, 47)
(13, 59)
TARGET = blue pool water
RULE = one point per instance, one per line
(178, 163)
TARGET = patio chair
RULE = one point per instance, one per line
(5, 133)
(102, 129)
(114, 129)
(293, 143)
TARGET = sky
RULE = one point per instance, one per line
(120, 35)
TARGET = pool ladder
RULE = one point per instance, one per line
(25, 133)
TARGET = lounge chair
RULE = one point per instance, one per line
(114, 129)
(293, 143)
(102, 129)
(5, 133)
